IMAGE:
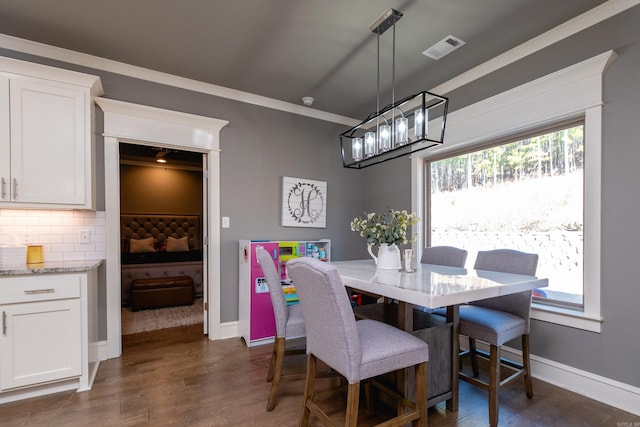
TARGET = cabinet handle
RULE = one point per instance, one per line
(4, 323)
(15, 188)
(40, 291)
(3, 184)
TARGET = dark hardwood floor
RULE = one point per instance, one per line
(176, 377)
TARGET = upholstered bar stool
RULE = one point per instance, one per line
(357, 350)
(497, 321)
(289, 325)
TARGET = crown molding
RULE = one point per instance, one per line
(598, 14)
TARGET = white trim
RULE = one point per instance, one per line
(130, 122)
(573, 26)
(57, 75)
(70, 56)
(592, 17)
(229, 330)
(571, 92)
(611, 392)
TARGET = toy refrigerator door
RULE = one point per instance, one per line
(262, 319)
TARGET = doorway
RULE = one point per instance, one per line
(138, 124)
(161, 229)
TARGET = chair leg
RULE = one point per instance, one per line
(474, 357)
(353, 398)
(421, 394)
(309, 384)
(277, 360)
(271, 363)
(526, 363)
(494, 384)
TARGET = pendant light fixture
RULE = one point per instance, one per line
(386, 134)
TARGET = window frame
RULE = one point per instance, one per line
(568, 94)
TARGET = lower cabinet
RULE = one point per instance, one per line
(47, 328)
(41, 342)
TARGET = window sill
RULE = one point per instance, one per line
(567, 317)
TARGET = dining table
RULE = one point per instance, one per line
(427, 288)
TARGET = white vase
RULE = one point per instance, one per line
(388, 257)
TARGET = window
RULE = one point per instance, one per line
(524, 194)
(571, 93)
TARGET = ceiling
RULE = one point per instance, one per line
(288, 49)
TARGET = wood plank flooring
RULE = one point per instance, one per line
(176, 377)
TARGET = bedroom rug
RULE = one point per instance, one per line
(161, 318)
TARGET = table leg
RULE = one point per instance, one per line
(453, 316)
(405, 378)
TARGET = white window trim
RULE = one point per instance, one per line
(575, 91)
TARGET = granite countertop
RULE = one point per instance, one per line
(51, 267)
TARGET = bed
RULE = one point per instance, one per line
(160, 245)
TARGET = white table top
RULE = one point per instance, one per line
(433, 286)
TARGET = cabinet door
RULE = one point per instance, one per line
(5, 159)
(47, 143)
(40, 342)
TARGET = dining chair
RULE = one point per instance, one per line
(498, 320)
(444, 255)
(289, 325)
(357, 350)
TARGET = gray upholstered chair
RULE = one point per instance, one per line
(498, 320)
(357, 350)
(289, 324)
(444, 255)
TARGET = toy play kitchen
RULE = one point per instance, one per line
(255, 313)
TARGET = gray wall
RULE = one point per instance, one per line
(613, 352)
(259, 146)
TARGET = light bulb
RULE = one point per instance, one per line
(384, 144)
(402, 132)
(369, 144)
(421, 119)
(356, 149)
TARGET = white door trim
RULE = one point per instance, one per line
(125, 122)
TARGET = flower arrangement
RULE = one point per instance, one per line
(387, 227)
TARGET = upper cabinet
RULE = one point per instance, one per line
(47, 154)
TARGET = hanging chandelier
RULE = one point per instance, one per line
(411, 124)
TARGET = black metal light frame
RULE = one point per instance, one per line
(434, 106)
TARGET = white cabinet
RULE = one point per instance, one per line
(52, 353)
(49, 326)
(46, 135)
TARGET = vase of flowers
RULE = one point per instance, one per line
(385, 230)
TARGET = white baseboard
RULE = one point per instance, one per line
(102, 349)
(229, 330)
(606, 390)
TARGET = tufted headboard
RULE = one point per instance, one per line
(141, 226)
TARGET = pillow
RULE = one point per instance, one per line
(178, 245)
(141, 245)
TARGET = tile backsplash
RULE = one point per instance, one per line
(58, 231)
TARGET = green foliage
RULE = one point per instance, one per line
(550, 154)
(389, 227)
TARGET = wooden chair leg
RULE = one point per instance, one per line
(353, 398)
(494, 384)
(526, 363)
(421, 394)
(277, 360)
(474, 357)
(271, 363)
(309, 384)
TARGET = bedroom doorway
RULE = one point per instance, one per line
(162, 200)
(134, 123)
